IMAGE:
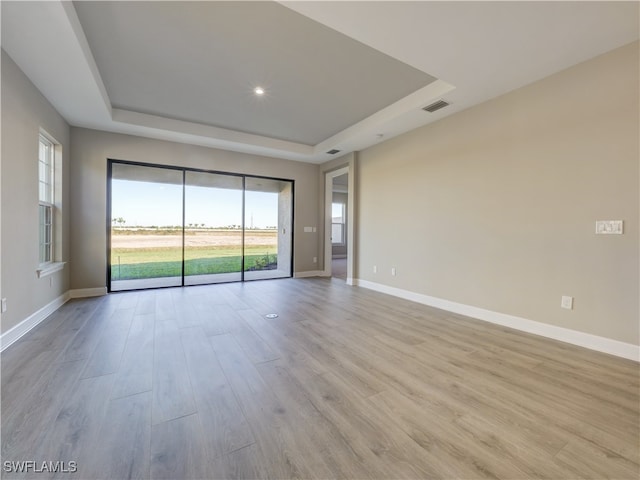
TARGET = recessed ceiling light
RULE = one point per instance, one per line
(258, 91)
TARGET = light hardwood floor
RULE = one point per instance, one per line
(345, 383)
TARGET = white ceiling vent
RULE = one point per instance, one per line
(435, 106)
(333, 151)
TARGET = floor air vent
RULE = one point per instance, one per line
(435, 106)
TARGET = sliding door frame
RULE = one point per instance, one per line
(184, 170)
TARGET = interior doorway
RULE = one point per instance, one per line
(338, 225)
(339, 202)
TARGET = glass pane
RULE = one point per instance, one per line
(41, 234)
(268, 221)
(146, 227)
(213, 228)
(337, 212)
(336, 234)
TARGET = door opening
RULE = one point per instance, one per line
(338, 261)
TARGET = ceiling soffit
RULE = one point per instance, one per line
(200, 61)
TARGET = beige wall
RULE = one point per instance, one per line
(90, 150)
(495, 207)
(24, 112)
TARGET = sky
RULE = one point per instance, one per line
(160, 204)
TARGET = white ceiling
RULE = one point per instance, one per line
(318, 81)
(368, 74)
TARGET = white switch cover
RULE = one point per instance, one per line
(609, 227)
(4, 305)
(566, 302)
(375, 269)
(393, 271)
(308, 229)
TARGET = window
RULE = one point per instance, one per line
(49, 201)
(337, 223)
(46, 172)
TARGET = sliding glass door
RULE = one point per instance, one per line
(146, 227)
(268, 220)
(172, 226)
(213, 228)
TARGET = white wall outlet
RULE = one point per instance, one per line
(393, 271)
(609, 227)
(315, 259)
(4, 305)
(566, 302)
(375, 269)
(308, 229)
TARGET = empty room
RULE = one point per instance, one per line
(350, 240)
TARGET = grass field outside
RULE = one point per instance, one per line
(139, 256)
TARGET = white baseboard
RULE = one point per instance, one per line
(15, 333)
(12, 335)
(587, 340)
(88, 292)
(309, 273)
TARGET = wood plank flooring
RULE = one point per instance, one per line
(196, 383)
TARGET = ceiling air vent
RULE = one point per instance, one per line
(435, 106)
(333, 151)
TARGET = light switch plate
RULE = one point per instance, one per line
(566, 302)
(308, 229)
(609, 227)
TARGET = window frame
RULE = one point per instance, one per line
(48, 206)
(342, 224)
(46, 200)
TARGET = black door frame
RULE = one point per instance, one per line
(244, 176)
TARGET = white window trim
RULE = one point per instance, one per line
(47, 269)
(342, 242)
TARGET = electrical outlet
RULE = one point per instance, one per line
(315, 259)
(375, 269)
(393, 271)
(4, 305)
(567, 302)
(609, 227)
